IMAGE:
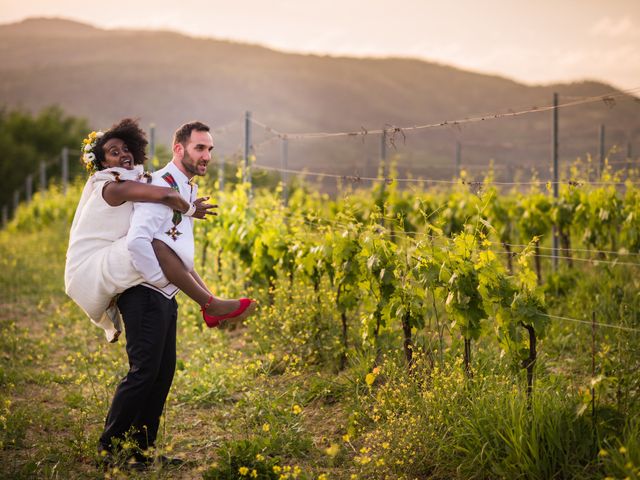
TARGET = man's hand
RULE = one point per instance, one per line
(203, 208)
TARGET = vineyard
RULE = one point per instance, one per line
(411, 332)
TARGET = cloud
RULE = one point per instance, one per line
(615, 28)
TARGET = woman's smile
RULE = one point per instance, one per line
(117, 154)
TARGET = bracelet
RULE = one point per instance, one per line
(190, 211)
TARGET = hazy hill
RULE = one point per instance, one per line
(167, 78)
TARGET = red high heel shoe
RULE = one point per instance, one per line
(246, 308)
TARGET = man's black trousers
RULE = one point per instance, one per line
(150, 326)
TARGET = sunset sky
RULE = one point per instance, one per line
(534, 42)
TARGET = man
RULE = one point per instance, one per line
(149, 310)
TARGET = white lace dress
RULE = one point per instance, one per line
(98, 264)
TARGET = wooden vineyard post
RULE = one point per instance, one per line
(65, 169)
(602, 156)
(247, 151)
(594, 425)
(43, 178)
(555, 179)
(285, 167)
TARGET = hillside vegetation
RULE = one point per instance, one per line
(167, 78)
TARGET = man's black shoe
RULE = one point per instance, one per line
(140, 461)
(137, 465)
(108, 459)
(105, 459)
(169, 461)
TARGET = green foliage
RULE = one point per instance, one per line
(534, 215)
(379, 257)
(434, 423)
(27, 139)
(267, 396)
(598, 216)
(257, 458)
(47, 209)
(622, 458)
(459, 274)
(631, 219)
(507, 437)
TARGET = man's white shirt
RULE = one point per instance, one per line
(156, 221)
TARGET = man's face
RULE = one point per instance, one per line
(197, 153)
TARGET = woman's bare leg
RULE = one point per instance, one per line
(177, 273)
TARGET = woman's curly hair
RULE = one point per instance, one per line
(131, 134)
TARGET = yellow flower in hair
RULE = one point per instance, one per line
(88, 154)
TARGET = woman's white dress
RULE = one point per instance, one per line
(98, 265)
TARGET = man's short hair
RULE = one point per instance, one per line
(183, 133)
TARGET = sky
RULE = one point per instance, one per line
(535, 42)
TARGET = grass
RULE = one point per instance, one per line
(267, 401)
(58, 376)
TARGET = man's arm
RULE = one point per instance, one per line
(147, 219)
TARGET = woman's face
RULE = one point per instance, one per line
(117, 154)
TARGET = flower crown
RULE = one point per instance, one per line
(88, 154)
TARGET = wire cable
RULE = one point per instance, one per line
(608, 99)
(605, 325)
(389, 180)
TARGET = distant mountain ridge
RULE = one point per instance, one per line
(167, 78)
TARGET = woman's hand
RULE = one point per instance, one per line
(203, 208)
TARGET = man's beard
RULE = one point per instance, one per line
(189, 167)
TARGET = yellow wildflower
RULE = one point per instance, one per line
(333, 450)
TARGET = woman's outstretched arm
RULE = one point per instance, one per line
(116, 193)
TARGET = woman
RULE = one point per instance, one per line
(98, 265)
